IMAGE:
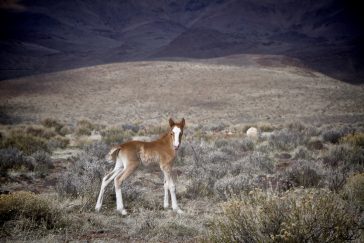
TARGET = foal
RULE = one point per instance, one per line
(129, 155)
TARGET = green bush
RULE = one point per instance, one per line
(334, 135)
(345, 156)
(42, 163)
(355, 139)
(303, 173)
(58, 142)
(85, 127)
(39, 131)
(83, 178)
(27, 143)
(315, 144)
(286, 139)
(354, 190)
(295, 216)
(13, 159)
(29, 212)
(115, 135)
(53, 123)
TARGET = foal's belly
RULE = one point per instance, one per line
(148, 158)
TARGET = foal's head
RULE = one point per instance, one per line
(176, 131)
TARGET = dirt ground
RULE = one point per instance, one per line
(203, 91)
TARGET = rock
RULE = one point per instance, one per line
(252, 132)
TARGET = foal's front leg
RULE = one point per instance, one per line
(169, 185)
(166, 198)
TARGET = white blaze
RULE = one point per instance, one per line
(176, 131)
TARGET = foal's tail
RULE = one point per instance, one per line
(113, 154)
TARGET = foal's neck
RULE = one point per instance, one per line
(165, 138)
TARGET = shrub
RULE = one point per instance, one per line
(259, 162)
(355, 139)
(315, 144)
(12, 158)
(296, 126)
(333, 135)
(227, 187)
(303, 173)
(43, 163)
(295, 216)
(265, 127)
(287, 139)
(29, 212)
(247, 144)
(354, 190)
(344, 156)
(131, 127)
(83, 178)
(53, 123)
(84, 127)
(58, 142)
(114, 136)
(97, 149)
(39, 131)
(27, 143)
(301, 153)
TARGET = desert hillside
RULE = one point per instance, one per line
(231, 90)
(273, 98)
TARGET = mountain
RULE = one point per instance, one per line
(45, 36)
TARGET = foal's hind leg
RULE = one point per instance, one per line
(118, 181)
(105, 181)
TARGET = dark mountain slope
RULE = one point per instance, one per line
(44, 36)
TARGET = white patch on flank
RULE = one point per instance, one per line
(176, 131)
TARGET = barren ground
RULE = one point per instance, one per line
(219, 91)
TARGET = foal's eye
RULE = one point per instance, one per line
(171, 133)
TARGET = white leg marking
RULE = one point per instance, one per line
(166, 199)
(105, 181)
(119, 198)
(172, 189)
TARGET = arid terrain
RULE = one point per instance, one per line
(231, 90)
(273, 97)
(308, 158)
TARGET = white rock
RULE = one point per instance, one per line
(252, 132)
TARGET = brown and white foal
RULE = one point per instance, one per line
(130, 155)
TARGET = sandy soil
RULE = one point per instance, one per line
(202, 91)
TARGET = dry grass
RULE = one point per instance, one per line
(295, 216)
(211, 169)
(217, 163)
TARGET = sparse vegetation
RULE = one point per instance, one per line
(13, 159)
(27, 212)
(85, 127)
(355, 139)
(300, 215)
(29, 144)
(84, 178)
(114, 136)
(294, 170)
(56, 125)
(354, 190)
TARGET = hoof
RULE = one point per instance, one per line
(178, 211)
(97, 209)
(122, 212)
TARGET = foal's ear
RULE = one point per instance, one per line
(183, 122)
(171, 122)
